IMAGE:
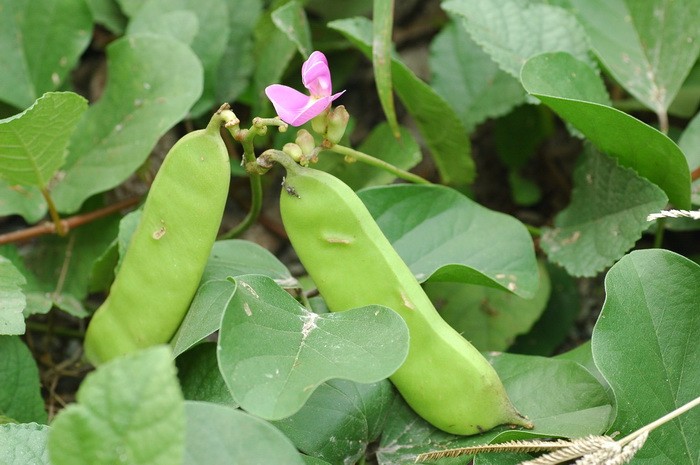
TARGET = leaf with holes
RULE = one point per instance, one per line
(607, 215)
(273, 353)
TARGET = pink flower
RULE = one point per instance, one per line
(295, 108)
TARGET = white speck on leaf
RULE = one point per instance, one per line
(246, 309)
(249, 288)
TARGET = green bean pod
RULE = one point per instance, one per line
(444, 378)
(165, 259)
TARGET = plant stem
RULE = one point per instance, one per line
(58, 331)
(377, 163)
(60, 228)
(659, 235)
(665, 419)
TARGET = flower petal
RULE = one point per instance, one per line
(316, 76)
(292, 106)
(313, 109)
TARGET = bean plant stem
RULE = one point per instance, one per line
(377, 163)
(60, 227)
(659, 235)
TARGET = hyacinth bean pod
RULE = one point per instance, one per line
(165, 259)
(444, 379)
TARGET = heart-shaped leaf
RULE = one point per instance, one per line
(129, 411)
(20, 400)
(649, 47)
(154, 81)
(643, 148)
(33, 143)
(340, 419)
(219, 435)
(645, 345)
(33, 65)
(273, 352)
(444, 236)
(605, 218)
(24, 444)
(200, 379)
(12, 299)
(230, 258)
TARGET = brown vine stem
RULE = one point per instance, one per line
(67, 224)
(695, 175)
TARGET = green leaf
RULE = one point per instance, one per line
(648, 46)
(605, 218)
(403, 153)
(199, 375)
(382, 26)
(207, 25)
(219, 435)
(643, 148)
(154, 80)
(20, 391)
(33, 143)
(689, 142)
(339, 420)
(444, 236)
(583, 355)
(520, 133)
(24, 444)
(129, 411)
(231, 258)
(489, 318)
(290, 18)
(12, 299)
(469, 80)
(511, 31)
(552, 329)
(444, 134)
(559, 396)
(32, 64)
(236, 66)
(645, 344)
(273, 352)
(108, 14)
(26, 201)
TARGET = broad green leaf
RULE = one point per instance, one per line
(583, 355)
(230, 258)
(33, 143)
(552, 329)
(199, 375)
(61, 266)
(236, 66)
(520, 133)
(403, 153)
(12, 299)
(219, 435)
(382, 27)
(649, 46)
(687, 100)
(154, 80)
(26, 201)
(176, 18)
(444, 236)
(339, 420)
(129, 411)
(273, 53)
(108, 14)
(290, 18)
(20, 390)
(40, 43)
(469, 80)
(24, 444)
(489, 318)
(511, 31)
(645, 345)
(559, 396)
(273, 353)
(605, 218)
(37, 302)
(308, 460)
(444, 134)
(690, 144)
(643, 148)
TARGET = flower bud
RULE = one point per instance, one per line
(306, 141)
(337, 122)
(294, 151)
(320, 123)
